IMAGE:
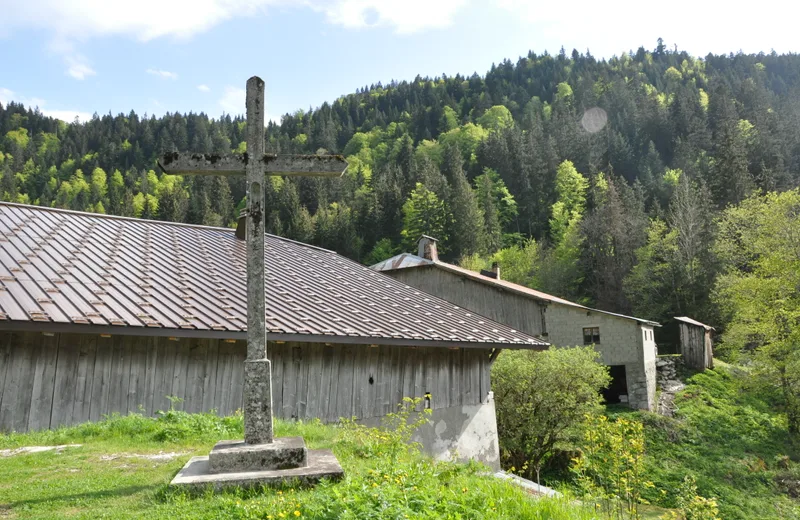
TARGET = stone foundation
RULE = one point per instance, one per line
(238, 464)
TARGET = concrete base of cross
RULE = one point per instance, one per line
(236, 464)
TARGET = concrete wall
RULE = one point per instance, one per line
(519, 312)
(461, 433)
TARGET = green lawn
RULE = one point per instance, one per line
(107, 477)
(731, 436)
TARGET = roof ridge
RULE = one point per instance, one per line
(34, 207)
(521, 289)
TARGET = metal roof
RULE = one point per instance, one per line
(408, 260)
(686, 319)
(83, 272)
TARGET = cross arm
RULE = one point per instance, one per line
(234, 164)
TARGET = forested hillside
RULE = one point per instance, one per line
(598, 180)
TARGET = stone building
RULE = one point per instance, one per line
(103, 314)
(625, 343)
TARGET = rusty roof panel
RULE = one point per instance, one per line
(67, 267)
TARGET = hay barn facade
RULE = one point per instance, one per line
(103, 314)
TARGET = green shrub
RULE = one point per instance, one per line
(610, 470)
(541, 399)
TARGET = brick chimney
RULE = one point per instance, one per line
(426, 248)
(496, 270)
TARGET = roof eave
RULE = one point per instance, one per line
(116, 330)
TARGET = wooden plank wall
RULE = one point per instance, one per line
(497, 304)
(696, 347)
(50, 381)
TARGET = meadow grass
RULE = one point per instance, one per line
(730, 434)
(108, 477)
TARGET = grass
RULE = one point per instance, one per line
(107, 477)
(733, 439)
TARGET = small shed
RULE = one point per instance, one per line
(696, 344)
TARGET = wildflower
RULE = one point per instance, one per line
(296, 512)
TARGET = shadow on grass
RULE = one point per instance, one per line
(89, 495)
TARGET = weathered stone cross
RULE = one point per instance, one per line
(256, 164)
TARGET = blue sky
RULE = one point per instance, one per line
(154, 56)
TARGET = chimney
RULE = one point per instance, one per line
(241, 225)
(426, 248)
(494, 273)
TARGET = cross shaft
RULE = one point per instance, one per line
(257, 372)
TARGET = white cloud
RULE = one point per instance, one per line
(203, 88)
(608, 28)
(404, 16)
(7, 95)
(68, 116)
(162, 73)
(77, 67)
(78, 20)
(232, 101)
(144, 20)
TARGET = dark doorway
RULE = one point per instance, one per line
(618, 386)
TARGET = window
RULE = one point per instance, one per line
(591, 335)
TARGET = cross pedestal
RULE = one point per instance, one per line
(259, 459)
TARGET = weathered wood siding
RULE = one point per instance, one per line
(494, 303)
(49, 381)
(696, 347)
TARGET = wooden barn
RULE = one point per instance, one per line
(696, 345)
(102, 314)
(626, 343)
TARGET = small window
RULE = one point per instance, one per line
(591, 335)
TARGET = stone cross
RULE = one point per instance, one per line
(255, 164)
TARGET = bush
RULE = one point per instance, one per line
(610, 469)
(541, 399)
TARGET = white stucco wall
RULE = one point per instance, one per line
(621, 343)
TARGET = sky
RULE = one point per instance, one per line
(79, 57)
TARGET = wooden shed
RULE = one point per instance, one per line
(695, 343)
(103, 314)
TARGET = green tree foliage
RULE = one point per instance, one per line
(675, 269)
(731, 123)
(498, 206)
(568, 210)
(542, 399)
(611, 466)
(424, 214)
(611, 233)
(519, 262)
(496, 118)
(466, 227)
(759, 246)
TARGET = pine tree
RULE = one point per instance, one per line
(466, 228)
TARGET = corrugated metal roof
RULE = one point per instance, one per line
(686, 319)
(401, 261)
(159, 278)
(408, 260)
